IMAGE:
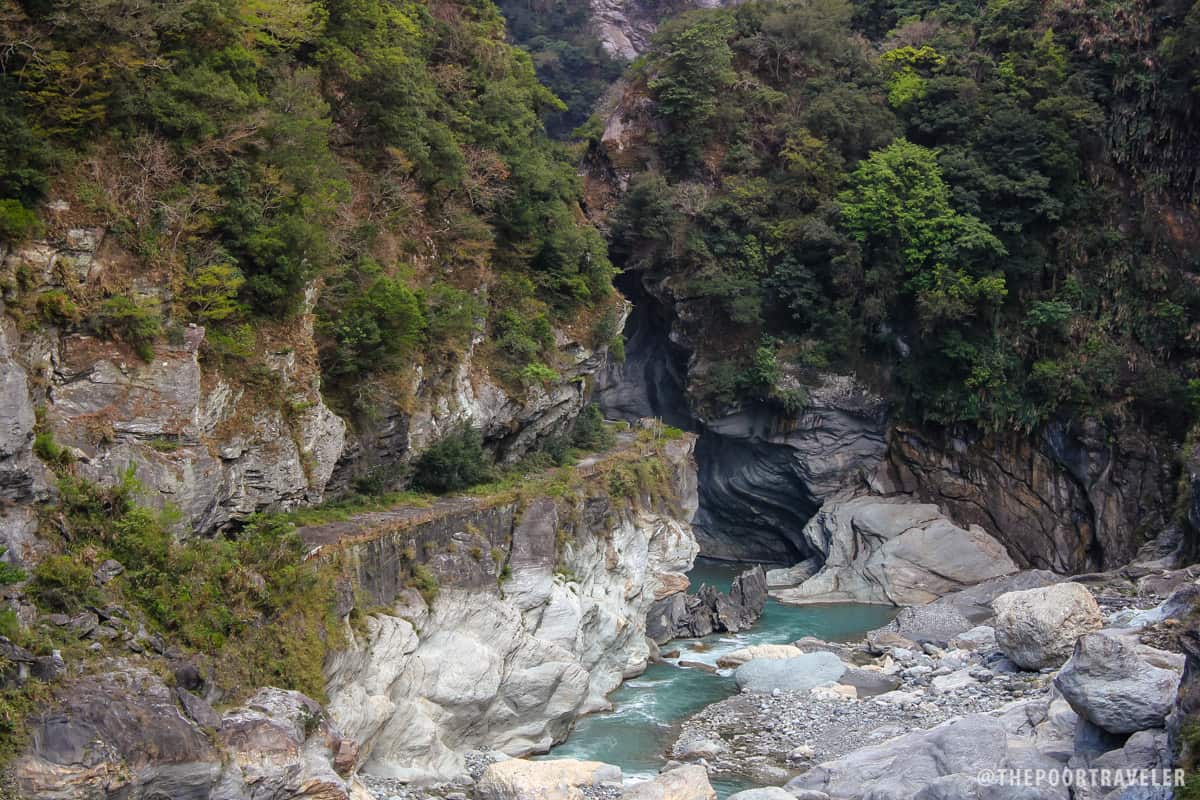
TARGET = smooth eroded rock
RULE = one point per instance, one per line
(553, 779)
(765, 793)
(891, 550)
(757, 651)
(681, 783)
(799, 674)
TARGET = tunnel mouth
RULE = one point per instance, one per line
(754, 505)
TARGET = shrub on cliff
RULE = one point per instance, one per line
(249, 603)
(457, 461)
(17, 222)
(136, 324)
(589, 431)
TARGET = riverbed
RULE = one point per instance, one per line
(648, 710)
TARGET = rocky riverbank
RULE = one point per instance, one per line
(1057, 677)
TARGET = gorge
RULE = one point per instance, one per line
(598, 400)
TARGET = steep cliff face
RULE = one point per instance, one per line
(476, 622)
(513, 422)
(762, 473)
(216, 447)
(652, 379)
(624, 27)
(1075, 495)
(221, 444)
(1073, 498)
(540, 611)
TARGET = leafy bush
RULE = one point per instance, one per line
(211, 294)
(589, 431)
(424, 581)
(24, 156)
(62, 583)
(539, 373)
(457, 461)
(453, 316)
(17, 223)
(57, 308)
(377, 328)
(50, 451)
(135, 324)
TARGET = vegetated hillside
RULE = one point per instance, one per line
(359, 188)
(389, 154)
(567, 54)
(993, 205)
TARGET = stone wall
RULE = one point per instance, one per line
(1072, 498)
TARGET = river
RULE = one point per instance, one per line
(647, 710)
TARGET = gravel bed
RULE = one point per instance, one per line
(769, 738)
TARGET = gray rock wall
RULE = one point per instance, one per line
(122, 732)
(221, 445)
(1072, 498)
(513, 648)
(763, 475)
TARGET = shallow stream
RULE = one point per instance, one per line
(647, 711)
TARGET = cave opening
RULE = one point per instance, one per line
(753, 499)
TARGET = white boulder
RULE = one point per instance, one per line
(1037, 628)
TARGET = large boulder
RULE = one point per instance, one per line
(1110, 685)
(1037, 628)
(869, 683)
(799, 674)
(895, 551)
(555, 779)
(934, 622)
(681, 783)
(948, 762)
(764, 793)
(766, 652)
(975, 602)
(124, 733)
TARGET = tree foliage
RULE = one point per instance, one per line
(922, 184)
(259, 151)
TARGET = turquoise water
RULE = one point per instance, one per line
(647, 710)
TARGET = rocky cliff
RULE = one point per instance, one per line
(477, 622)
(219, 443)
(1075, 496)
(124, 732)
(1072, 498)
(535, 609)
(624, 27)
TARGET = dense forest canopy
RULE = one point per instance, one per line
(566, 54)
(995, 201)
(393, 152)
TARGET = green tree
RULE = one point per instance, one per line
(211, 293)
(899, 208)
(691, 67)
(376, 330)
(456, 461)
